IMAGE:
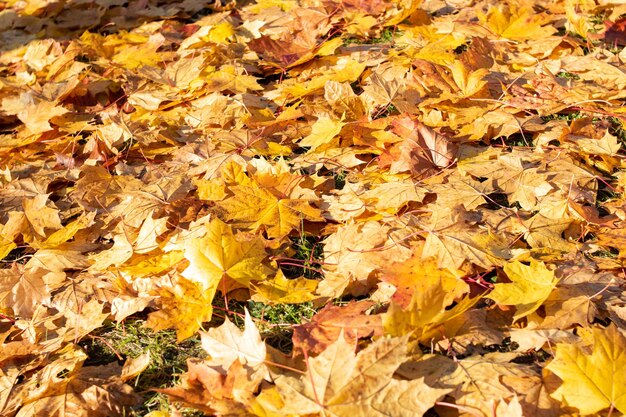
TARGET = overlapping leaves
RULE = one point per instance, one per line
(459, 165)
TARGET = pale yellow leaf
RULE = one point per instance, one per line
(593, 380)
(220, 254)
(531, 285)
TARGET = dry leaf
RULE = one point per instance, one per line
(227, 344)
(220, 254)
(593, 379)
(448, 173)
(530, 286)
(339, 382)
(331, 321)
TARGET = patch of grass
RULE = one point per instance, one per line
(385, 111)
(310, 250)
(514, 140)
(506, 346)
(130, 339)
(565, 115)
(597, 21)
(616, 128)
(607, 252)
(274, 321)
(517, 140)
(567, 75)
(307, 259)
(606, 193)
(281, 314)
(386, 36)
(340, 179)
(20, 255)
(353, 41)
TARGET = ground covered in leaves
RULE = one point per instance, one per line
(312, 208)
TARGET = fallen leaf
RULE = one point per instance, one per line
(280, 289)
(23, 289)
(338, 382)
(516, 23)
(422, 139)
(257, 208)
(184, 306)
(530, 286)
(593, 379)
(331, 321)
(220, 254)
(227, 344)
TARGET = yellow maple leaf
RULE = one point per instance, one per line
(482, 381)
(220, 33)
(68, 231)
(578, 22)
(33, 112)
(133, 50)
(470, 82)
(342, 71)
(220, 254)
(210, 190)
(531, 285)
(231, 78)
(6, 246)
(520, 24)
(233, 173)
(184, 307)
(423, 296)
(281, 289)
(23, 289)
(324, 130)
(455, 245)
(256, 208)
(154, 263)
(39, 216)
(353, 254)
(65, 386)
(402, 10)
(593, 381)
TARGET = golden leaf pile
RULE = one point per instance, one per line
(458, 166)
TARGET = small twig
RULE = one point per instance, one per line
(308, 367)
(289, 368)
(460, 408)
(303, 266)
(4, 317)
(106, 342)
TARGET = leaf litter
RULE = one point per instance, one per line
(438, 185)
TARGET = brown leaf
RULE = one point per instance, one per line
(298, 43)
(339, 382)
(424, 142)
(23, 289)
(332, 321)
(64, 388)
(482, 381)
(616, 32)
(214, 391)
